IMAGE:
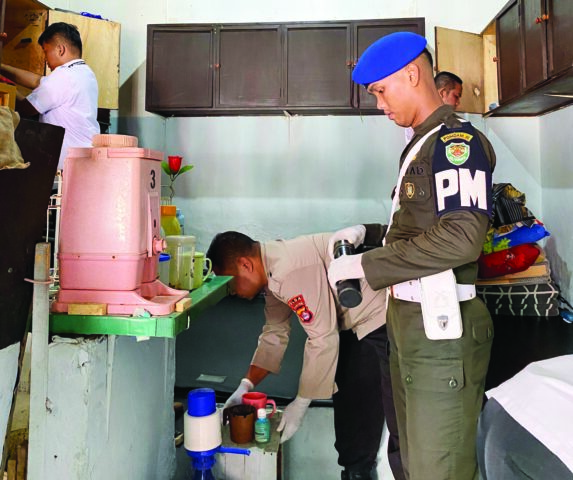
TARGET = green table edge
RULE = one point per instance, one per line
(210, 293)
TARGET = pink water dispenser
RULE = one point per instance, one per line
(110, 229)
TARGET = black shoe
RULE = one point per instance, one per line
(348, 475)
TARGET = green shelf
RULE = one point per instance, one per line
(210, 293)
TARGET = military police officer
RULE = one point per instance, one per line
(440, 333)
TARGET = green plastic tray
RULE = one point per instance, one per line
(212, 291)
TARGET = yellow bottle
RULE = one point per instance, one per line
(169, 221)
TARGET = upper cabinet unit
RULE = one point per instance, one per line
(23, 21)
(535, 56)
(531, 44)
(264, 68)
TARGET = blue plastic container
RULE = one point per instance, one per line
(201, 402)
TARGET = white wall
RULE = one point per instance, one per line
(557, 191)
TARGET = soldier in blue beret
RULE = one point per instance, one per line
(440, 334)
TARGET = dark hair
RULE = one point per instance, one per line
(226, 247)
(69, 33)
(447, 80)
(428, 56)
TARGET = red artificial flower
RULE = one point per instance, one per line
(173, 169)
(174, 163)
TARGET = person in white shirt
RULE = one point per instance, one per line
(525, 430)
(68, 97)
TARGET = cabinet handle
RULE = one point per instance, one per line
(3, 35)
(217, 65)
(349, 63)
(538, 20)
(495, 59)
(544, 17)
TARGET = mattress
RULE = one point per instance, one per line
(531, 299)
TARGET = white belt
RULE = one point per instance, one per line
(411, 291)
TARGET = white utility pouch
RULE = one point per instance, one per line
(440, 306)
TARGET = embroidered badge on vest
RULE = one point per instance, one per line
(458, 153)
(410, 190)
(298, 306)
(462, 172)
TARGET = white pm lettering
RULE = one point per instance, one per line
(472, 191)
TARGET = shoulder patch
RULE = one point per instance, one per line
(456, 135)
(298, 306)
(462, 172)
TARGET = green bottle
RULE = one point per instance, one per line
(262, 427)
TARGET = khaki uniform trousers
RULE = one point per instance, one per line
(438, 390)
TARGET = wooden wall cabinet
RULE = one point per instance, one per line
(24, 21)
(530, 43)
(536, 73)
(254, 69)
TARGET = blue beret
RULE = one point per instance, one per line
(388, 55)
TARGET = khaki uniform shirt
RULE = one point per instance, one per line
(419, 242)
(297, 281)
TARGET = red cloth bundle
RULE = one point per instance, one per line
(513, 260)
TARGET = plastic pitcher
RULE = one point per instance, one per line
(181, 248)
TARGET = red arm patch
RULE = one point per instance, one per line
(298, 306)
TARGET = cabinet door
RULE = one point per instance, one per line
(179, 69)
(318, 65)
(249, 67)
(560, 35)
(23, 25)
(509, 53)
(366, 33)
(534, 42)
(453, 49)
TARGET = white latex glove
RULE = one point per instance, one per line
(292, 417)
(237, 397)
(345, 268)
(354, 235)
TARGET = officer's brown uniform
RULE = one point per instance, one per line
(438, 384)
(297, 282)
